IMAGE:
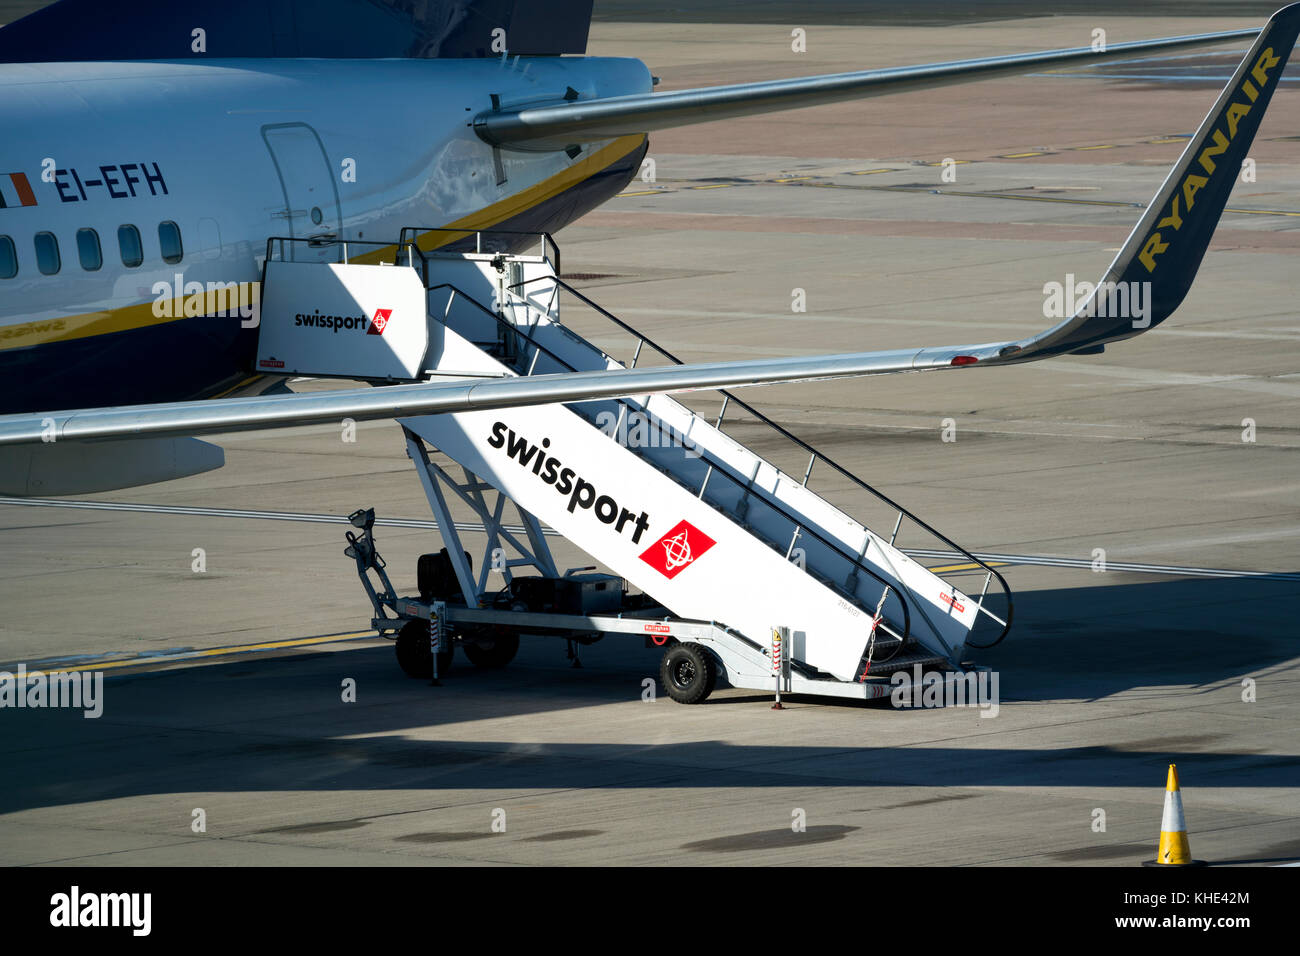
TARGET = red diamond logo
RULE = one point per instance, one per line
(677, 550)
(379, 322)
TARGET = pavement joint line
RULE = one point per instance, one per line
(148, 659)
(993, 731)
(965, 194)
(1162, 77)
(1045, 561)
(400, 852)
(1022, 559)
(93, 856)
(315, 518)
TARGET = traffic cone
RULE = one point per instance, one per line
(1174, 849)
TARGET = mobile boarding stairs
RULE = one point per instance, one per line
(738, 569)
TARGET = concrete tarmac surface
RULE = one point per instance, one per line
(1179, 450)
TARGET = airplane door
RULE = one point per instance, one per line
(311, 199)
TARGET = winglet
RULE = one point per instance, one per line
(1158, 262)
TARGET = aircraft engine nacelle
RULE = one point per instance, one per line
(82, 467)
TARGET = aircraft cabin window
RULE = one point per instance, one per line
(169, 237)
(130, 245)
(8, 258)
(47, 253)
(88, 250)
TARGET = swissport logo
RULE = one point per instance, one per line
(952, 602)
(379, 322)
(677, 550)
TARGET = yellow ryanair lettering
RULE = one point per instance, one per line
(1235, 112)
(1172, 219)
(1190, 185)
(1265, 63)
(1152, 249)
(1194, 182)
(1220, 144)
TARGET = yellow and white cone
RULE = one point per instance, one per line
(1174, 849)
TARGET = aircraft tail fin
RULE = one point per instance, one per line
(1156, 265)
(91, 30)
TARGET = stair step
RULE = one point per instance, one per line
(907, 660)
(763, 513)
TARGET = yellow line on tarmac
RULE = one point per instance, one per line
(1022, 198)
(1263, 212)
(713, 186)
(145, 660)
(1061, 199)
(647, 192)
(968, 566)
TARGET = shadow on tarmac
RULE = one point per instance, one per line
(276, 723)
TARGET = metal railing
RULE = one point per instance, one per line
(274, 243)
(815, 457)
(407, 252)
(855, 560)
(508, 240)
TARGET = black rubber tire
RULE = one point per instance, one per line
(688, 673)
(413, 657)
(492, 651)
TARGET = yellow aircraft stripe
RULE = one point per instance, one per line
(521, 202)
(152, 659)
(63, 328)
(240, 384)
(143, 315)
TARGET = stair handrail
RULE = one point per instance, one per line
(836, 546)
(991, 572)
(547, 240)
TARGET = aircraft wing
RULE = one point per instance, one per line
(567, 123)
(462, 395)
(1155, 266)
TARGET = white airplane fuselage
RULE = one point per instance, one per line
(225, 154)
